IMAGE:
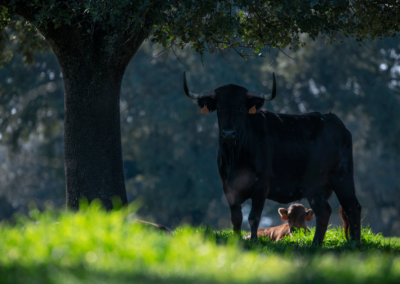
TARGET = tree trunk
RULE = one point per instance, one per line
(93, 62)
(92, 73)
(92, 137)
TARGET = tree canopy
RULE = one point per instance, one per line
(94, 41)
(244, 26)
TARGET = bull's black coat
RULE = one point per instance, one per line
(283, 158)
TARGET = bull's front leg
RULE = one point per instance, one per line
(257, 207)
(236, 218)
(236, 209)
(260, 193)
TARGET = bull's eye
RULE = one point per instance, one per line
(243, 109)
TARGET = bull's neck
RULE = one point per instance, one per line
(241, 145)
(231, 153)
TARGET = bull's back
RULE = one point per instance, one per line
(305, 149)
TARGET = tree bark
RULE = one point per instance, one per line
(92, 137)
(92, 72)
(93, 63)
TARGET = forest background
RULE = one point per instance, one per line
(170, 153)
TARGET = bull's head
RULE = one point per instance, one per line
(233, 104)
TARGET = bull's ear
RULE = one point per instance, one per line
(207, 105)
(284, 214)
(254, 104)
(253, 110)
(309, 214)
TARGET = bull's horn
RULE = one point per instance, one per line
(195, 96)
(267, 97)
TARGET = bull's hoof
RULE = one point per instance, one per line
(247, 237)
(254, 241)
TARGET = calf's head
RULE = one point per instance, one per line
(296, 215)
(232, 103)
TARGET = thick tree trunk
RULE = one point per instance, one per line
(93, 154)
(93, 62)
(92, 137)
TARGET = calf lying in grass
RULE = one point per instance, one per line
(296, 215)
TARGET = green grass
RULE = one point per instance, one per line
(93, 246)
(393, 240)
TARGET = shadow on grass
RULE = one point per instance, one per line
(301, 243)
(45, 274)
(305, 274)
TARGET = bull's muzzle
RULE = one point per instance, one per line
(229, 135)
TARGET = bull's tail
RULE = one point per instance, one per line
(345, 220)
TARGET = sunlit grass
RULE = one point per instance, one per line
(93, 246)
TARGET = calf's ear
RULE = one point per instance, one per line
(207, 105)
(309, 214)
(284, 214)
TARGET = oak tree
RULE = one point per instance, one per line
(94, 40)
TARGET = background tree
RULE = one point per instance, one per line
(95, 40)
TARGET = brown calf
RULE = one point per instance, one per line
(296, 215)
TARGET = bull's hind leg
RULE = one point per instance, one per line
(322, 210)
(346, 194)
(342, 181)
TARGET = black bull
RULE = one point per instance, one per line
(281, 157)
